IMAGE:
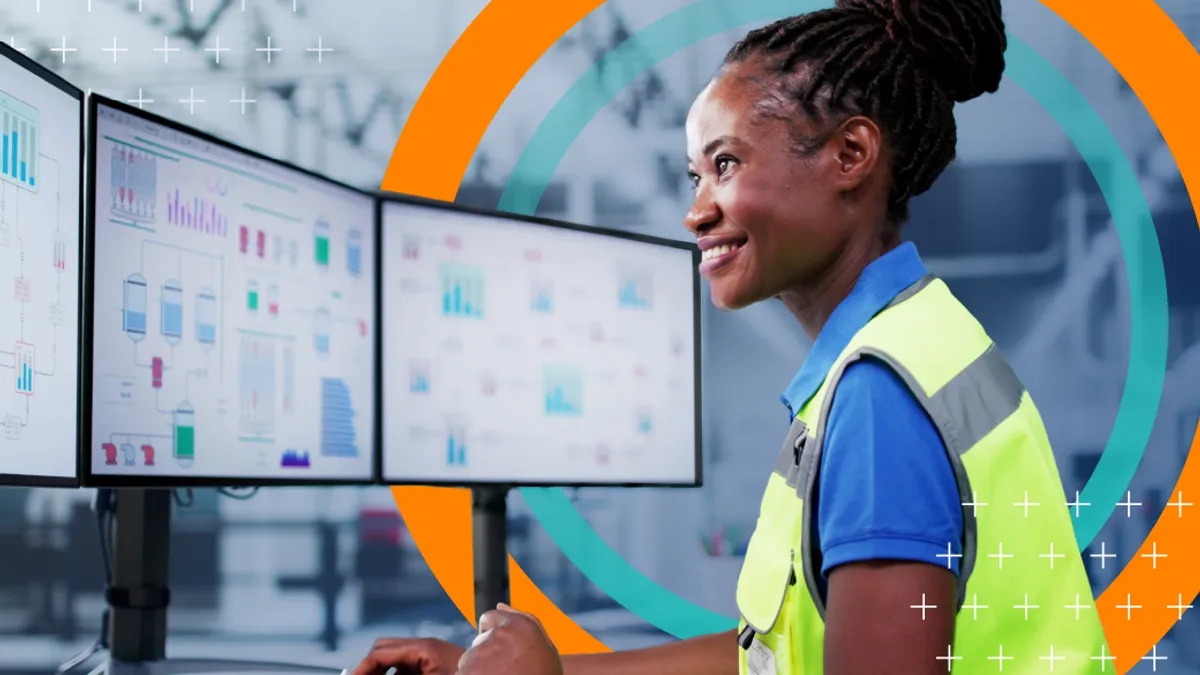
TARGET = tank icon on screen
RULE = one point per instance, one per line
(172, 312)
(110, 454)
(148, 454)
(252, 296)
(321, 244)
(354, 254)
(321, 330)
(185, 435)
(133, 315)
(129, 453)
(206, 319)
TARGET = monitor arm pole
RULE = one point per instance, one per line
(489, 515)
(138, 595)
(138, 592)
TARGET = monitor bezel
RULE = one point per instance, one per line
(57, 81)
(91, 479)
(385, 198)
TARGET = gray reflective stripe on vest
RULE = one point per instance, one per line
(965, 410)
(912, 290)
(787, 464)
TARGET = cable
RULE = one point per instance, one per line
(102, 506)
(179, 501)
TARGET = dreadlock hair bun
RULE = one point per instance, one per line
(960, 43)
(904, 63)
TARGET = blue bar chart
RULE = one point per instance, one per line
(542, 298)
(634, 293)
(456, 444)
(462, 291)
(563, 386)
(19, 124)
(338, 438)
(419, 379)
(23, 354)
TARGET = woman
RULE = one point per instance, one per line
(916, 521)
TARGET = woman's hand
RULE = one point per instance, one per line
(510, 642)
(416, 656)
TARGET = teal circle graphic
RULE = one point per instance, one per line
(1118, 184)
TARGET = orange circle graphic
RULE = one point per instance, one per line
(481, 70)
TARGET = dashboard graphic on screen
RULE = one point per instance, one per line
(234, 312)
(41, 156)
(524, 353)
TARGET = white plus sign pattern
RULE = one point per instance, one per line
(1013, 557)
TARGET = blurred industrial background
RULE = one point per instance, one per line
(1017, 227)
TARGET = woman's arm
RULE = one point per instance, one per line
(706, 655)
(890, 617)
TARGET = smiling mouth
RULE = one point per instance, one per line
(719, 251)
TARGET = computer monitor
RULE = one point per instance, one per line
(233, 310)
(525, 352)
(41, 214)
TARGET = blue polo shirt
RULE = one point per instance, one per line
(886, 487)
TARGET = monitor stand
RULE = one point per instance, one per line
(489, 515)
(139, 595)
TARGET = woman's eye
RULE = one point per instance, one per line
(723, 163)
(694, 179)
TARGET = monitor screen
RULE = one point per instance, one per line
(233, 323)
(522, 352)
(41, 210)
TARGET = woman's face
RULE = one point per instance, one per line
(767, 219)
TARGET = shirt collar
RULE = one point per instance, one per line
(880, 283)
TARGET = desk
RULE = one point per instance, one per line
(40, 656)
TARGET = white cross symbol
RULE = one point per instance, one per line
(218, 49)
(975, 607)
(1001, 555)
(166, 49)
(1052, 555)
(268, 49)
(319, 50)
(1076, 504)
(923, 606)
(1180, 504)
(1102, 555)
(191, 100)
(1026, 607)
(1129, 504)
(1001, 658)
(1026, 504)
(1129, 607)
(1103, 658)
(1077, 607)
(1052, 658)
(1180, 607)
(1154, 556)
(1154, 659)
(114, 49)
(974, 505)
(12, 42)
(949, 658)
(243, 100)
(949, 555)
(63, 49)
(139, 101)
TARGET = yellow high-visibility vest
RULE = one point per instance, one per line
(1024, 597)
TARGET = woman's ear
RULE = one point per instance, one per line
(857, 146)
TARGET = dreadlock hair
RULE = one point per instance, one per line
(902, 63)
